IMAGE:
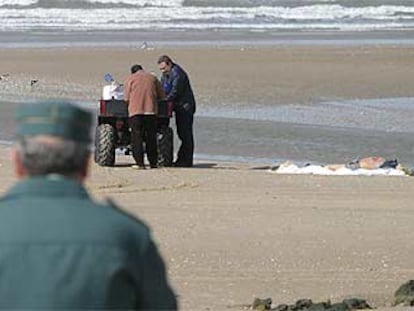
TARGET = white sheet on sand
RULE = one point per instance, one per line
(321, 170)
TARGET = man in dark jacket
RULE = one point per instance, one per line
(178, 90)
(58, 248)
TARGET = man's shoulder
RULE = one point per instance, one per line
(143, 76)
(128, 79)
(116, 211)
(127, 225)
(178, 71)
(80, 207)
(149, 75)
(85, 221)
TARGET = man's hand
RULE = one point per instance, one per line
(187, 107)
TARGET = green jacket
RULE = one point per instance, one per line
(61, 250)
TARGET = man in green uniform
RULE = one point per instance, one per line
(58, 248)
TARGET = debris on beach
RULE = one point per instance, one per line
(405, 294)
(145, 46)
(365, 166)
(262, 304)
(4, 76)
(33, 82)
(309, 305)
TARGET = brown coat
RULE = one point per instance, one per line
(141, 92)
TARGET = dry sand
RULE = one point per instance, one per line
(230, 232)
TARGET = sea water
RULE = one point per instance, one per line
(327, 132)
(250, 15)
(43, 23)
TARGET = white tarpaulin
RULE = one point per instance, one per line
(290, 168)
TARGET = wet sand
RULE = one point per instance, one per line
(245, 82)
(221, 75)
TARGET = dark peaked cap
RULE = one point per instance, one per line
(54, 118)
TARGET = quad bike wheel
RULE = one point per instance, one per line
(105, 145)
(165, 146)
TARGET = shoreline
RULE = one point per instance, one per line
(203, 38)
(278, 75)
(272, 143)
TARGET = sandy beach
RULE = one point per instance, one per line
(232, 231)
(306, 91)
(220, 75)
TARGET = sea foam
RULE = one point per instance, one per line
(75, 15)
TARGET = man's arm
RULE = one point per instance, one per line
(156, 293)
(176, 77)
(159, 89)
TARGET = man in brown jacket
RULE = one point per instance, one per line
(142, 92)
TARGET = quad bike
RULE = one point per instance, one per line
(113, 132)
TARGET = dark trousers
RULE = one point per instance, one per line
(144, 129)
(184, 121)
